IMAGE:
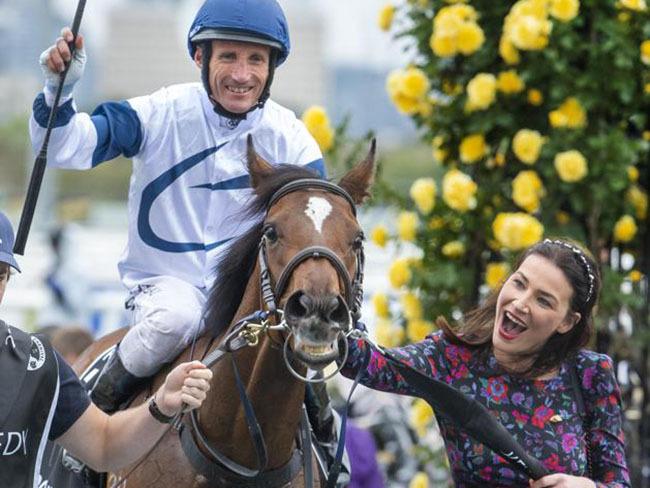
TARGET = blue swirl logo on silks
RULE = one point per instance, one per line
(154, 189)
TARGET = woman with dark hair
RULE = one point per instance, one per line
(520, 354)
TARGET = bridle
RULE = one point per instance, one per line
(246, 332)
(353, 287)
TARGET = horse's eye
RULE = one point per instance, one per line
(271, 234)
(358, 242)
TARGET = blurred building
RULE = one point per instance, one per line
(25, 28)
(146, 49)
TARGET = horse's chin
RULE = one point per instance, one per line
(315, 355)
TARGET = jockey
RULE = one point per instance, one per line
(189, 180)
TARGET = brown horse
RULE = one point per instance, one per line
(314, 288)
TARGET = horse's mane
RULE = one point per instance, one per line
(235, 267)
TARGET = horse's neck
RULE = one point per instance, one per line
(276, 396)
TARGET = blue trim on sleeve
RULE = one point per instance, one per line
(42, 112)
(119, 131)
(318, 165)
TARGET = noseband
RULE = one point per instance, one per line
(353, 287)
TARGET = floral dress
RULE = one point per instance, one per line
(542, 415)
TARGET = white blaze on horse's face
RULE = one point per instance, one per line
(317, 210)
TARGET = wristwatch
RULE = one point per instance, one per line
(155, 412)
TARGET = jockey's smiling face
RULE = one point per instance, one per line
(238, 73)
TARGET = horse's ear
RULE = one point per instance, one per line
(258, 168)
(358, 180)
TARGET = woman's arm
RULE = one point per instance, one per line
(605, 430)
(380, 374)
(108, 443)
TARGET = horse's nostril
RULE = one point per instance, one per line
(298, 305)
(306, 301)
(340, 312)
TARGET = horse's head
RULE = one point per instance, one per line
(312, 246)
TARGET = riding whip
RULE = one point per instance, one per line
(41, 160)
(469, 415)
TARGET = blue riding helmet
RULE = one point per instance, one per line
(259, 21)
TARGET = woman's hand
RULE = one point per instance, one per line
(186, 385)
(559, 480)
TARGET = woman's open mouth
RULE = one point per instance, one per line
(511, 327)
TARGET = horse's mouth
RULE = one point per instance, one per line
(315, 355)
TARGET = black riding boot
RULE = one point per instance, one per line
(115, 385)
(325, 426)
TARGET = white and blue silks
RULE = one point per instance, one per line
(189, 181)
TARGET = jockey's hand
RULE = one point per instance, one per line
(185, 386)
(53, 60)
(560, 480)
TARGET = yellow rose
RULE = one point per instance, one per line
(535, 97)
(455, 29)
(453, 249)
(472, 148)
(633, 174)
(508, 51)
(406, 105)
(645, 51)
(411, 306)
(380, 303)
(530, 33)
(564, 10)
(407, 226)
(639, 200)
(469, 38)
(509, 82)
(635, 276)
(516, 231)
(421, 416)
(318, 124)
(407, 90)
(420, 480)
(418, 329)
(481, 91)
(443, 44)
(379, 235)
(625, 229)
(527, 145)
(423, 193)
(315, 116)
(414, 83)
(495, 274)
(399, 273)
(324, 136)
(571, 166)
(459, 190)
(527, 189)
(637, 5)
(386, 15)
(388, 334)
(569, 114)
(557, 119)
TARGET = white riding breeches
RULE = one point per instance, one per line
(167, 313)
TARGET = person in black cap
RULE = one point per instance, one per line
(43, 399)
